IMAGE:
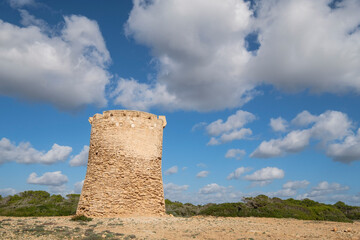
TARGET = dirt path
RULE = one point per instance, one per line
(175, 228)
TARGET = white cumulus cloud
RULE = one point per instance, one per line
(294, 142)
(141, 96)
(199, 48)
(21, 3)
(238, 172)
(265, 176)
(172, 170)
(346, 151)
(175, 192)
(304, 119)
(202, 174)
(211, 188)
(326, 191)
(202, 60)
(278, 124)
(48, 178)
(66, 68)
(290, 56)
(78, 186)
(169, 187)
(24, 153)
(235, 153)
(235, 121)
(230, 130)
(296, 184)
(81, 159)
(326, 128)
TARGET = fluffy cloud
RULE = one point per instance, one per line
(211, 188)
(21, 3)
(235, 121)
(265, 176)
(346, 151)
(199, 61)
(175, 192)
(7, 191)
(290, 56)
(278, 124)
(202, 174)
(141, 96)
(171, 170)
(171, 187)
(78, 187)
(295, 141)
(329, 192)
(303, 119)
(237, 173)
(200, 50)
(235, 153)
(325, 188)
(80, 159)
(289, 189)
(285, 192)
(65, 68)
(235, 135)
(198, 126)
(230, 130)
(29, 20)
(326, 128)
(24, 153)
(331, 125)
(48, 178)
(296, 184)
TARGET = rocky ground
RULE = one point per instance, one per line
(174, 228)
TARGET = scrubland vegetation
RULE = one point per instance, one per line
(263, 206)
(41, 203)
(38, 203)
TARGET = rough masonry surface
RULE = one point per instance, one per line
(123, 175)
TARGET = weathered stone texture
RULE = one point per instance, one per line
(123, 175)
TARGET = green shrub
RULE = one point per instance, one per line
(223, 210)
(350, 212)
(258, 201)
(81, 218)
(181, 210)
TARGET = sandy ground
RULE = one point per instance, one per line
(174, 228)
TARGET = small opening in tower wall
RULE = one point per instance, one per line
(111, 114)
(149, 118)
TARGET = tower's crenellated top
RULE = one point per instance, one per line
(127, 114)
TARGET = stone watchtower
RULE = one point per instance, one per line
(123, 175)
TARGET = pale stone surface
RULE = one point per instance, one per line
(123, 175)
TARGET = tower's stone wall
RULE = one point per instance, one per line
(123, 175)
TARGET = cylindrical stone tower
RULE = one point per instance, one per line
(123, 175)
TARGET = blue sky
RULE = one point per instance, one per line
(261, 97)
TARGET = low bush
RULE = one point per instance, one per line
(81, 218)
